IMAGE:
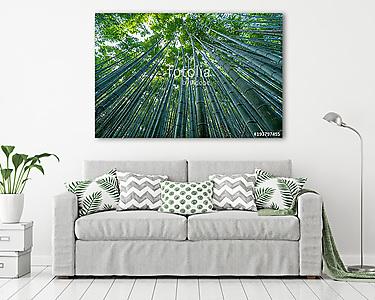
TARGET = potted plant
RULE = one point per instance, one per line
(14, 174)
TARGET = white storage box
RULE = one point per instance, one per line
(14, 264)
(16, 237)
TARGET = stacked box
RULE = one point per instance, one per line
(15, 249)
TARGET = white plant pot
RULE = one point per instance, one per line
(11, 207)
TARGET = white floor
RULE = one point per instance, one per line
(40, 284)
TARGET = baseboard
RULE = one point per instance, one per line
(41, 260)
(350, 259)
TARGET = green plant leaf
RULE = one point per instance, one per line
(17, 160)
(20, 161)
(39, 167)
(47, 155)
(6, 173)
(7, 150)
(32, 159)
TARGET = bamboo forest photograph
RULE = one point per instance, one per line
(188, 75)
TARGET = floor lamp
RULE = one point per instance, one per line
(336, 119)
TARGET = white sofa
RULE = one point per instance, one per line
(222, 243)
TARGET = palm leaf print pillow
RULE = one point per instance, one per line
(276, 192)
(96, 195)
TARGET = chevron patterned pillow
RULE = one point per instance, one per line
(234, 191)
(139, 191)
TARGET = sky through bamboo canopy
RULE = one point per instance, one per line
(188, 75)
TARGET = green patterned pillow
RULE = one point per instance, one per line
(96, 195)
(186, 198)
(276, 192)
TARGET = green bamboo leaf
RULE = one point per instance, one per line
(7, 150)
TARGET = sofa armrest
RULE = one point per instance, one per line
(65, 212)
(309, 211)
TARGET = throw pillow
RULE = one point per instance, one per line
(186, 198)
(95, 195)
(276, 192)
(234, 191)
(139, 191)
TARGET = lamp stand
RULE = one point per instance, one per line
(361, 267)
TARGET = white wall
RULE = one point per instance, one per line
(47, 101)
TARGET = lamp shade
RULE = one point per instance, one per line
(334, 118)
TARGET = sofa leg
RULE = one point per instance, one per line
(312, 277)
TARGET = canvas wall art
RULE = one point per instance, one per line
(188, 75)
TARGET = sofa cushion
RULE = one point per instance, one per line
(242, 225)
(131, 225)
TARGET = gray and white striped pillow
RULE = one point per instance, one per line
(139, 191)
(234, 191)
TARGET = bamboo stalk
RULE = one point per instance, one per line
(253, 49)
(199, 100)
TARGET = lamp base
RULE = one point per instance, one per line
(361, 269)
